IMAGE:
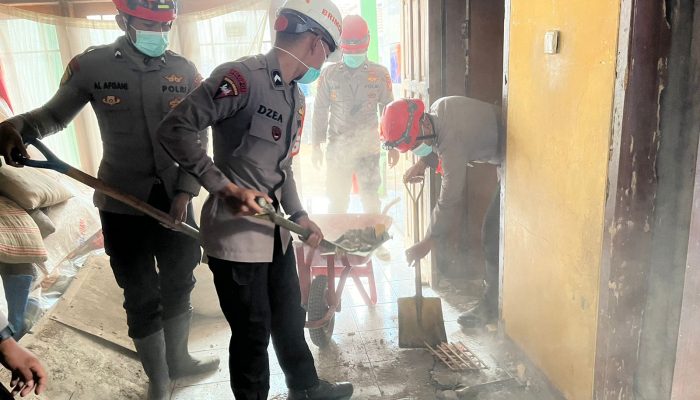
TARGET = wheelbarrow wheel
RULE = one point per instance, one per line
(318, 307)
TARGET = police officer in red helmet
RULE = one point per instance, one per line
(131, 85)
(457, 130)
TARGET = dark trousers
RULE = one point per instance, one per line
(152, 264)
(490, 242)
(261, 300)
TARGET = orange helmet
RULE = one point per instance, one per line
(152, 10)
(400, 124)
(355, 36)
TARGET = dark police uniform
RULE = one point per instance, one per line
(257, 122)
(130, 94)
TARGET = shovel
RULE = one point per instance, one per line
(420, 318)
(56, 164)
(270, 214)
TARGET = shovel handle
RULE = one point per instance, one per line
(56, 164)
(416, 194)
(271, 215)
(52, 161)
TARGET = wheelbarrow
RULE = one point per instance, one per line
(318, 268)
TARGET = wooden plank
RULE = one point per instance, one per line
(93, 304)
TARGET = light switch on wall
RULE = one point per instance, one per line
(551, 42)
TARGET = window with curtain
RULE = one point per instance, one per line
(34, 48)
(231, 36)
(37, 68)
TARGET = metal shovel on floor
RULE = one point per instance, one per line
(420, 318)
(56, 164)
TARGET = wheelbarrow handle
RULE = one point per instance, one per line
(56, 164)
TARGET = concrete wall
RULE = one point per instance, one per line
(559, 130)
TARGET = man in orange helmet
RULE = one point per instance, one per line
(350, 96)
(459, 130)
(132, 84)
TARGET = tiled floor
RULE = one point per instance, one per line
(364, 349)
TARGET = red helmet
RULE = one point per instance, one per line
(355, 36)
(400, 124)
(152, 10)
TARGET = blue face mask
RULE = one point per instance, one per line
(310, 76)
(152, 44)
(422, 150)
(312, 73)
(354, 60)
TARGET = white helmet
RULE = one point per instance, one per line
(325, 20)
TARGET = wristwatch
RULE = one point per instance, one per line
(6, 333)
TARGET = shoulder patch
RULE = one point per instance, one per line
(72, 68)
(233, 84)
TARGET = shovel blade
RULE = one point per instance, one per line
(416, 330)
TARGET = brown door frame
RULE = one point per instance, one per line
(650, 184)
(632, 185)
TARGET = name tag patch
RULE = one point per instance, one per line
(270, 113)
(111, 86)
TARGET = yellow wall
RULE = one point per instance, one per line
(559, 128)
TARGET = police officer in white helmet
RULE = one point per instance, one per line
(256, 110)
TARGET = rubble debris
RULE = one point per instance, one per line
(364, 239)
(445, 379)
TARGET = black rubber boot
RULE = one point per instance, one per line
(151, 351)
(323, 391)
(180, 362)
